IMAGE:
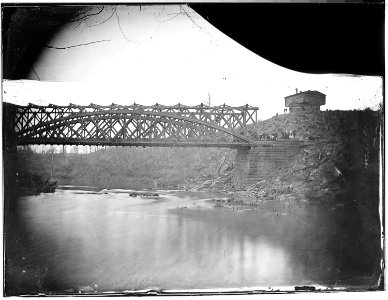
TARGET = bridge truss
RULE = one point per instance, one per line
(133, 125)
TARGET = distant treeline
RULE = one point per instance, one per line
(125, 167)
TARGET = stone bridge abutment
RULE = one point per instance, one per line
(260, 161)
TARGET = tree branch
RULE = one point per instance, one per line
(104, 20)
(195, 23)
(176, 14)
(118, 22)
(73, 46)
(88, 15)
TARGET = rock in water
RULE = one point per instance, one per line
(85, 289)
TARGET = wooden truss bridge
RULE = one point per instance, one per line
(133, 125)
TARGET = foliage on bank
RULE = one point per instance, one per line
(125, 167)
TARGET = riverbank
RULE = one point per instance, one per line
(338, 167)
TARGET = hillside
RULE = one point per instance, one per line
(341, 157)
(320, 125)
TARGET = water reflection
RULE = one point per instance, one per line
(113, 242)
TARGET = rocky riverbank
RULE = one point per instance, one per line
(312, 176)
(338, 168)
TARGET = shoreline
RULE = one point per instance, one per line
(240, 200)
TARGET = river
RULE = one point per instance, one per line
(73, 241)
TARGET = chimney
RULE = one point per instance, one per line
(296, 91)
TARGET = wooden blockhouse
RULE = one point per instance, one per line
(308, 101)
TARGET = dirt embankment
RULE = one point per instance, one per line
(338, 167)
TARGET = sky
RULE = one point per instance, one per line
(169, 54)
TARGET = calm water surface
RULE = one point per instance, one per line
(68, 241)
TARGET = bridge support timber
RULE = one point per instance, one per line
(261, 160)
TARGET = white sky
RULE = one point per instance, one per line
(155, 55)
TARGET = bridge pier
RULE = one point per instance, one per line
(261, 161)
